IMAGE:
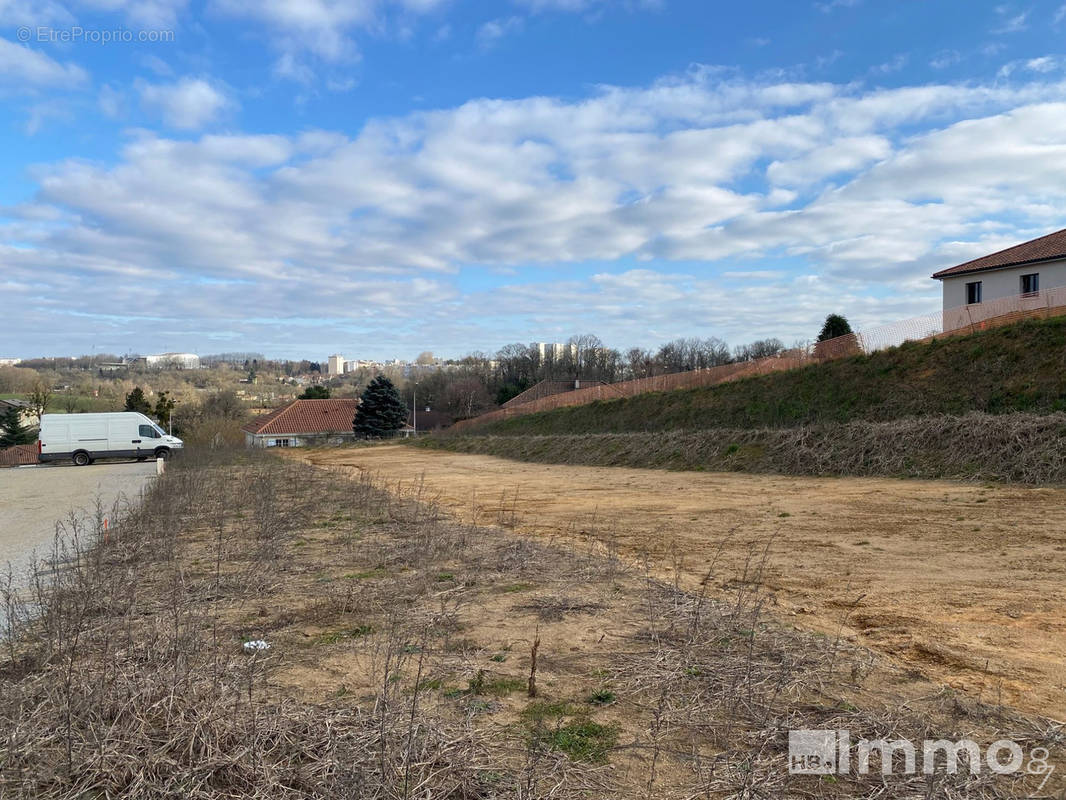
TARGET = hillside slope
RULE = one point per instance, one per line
(1016, 368)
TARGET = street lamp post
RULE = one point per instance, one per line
(414, 407)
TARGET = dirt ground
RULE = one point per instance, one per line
(962, 583)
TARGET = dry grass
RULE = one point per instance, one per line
(404, 651)
(1020, 448)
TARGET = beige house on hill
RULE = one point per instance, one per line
(1025, 270)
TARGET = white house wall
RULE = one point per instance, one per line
(999, 283)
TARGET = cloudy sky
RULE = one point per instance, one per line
(381, 177)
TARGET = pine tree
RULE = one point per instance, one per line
(136, 401)
(164, 407)
(835, 325)
(315, 393)
(381, 412)
(12, 431)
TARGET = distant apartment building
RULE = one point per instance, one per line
(555, 350)
(335, 365)
(356, 365)
(173, 361)
(9, 362)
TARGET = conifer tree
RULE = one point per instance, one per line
(381, 412)
(136, 401)
(12, 431)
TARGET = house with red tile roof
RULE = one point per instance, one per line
(1025, 270)
(302, 423)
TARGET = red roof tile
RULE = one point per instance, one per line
(307, 416)
(1046, 247)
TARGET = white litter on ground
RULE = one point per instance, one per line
(255, 646)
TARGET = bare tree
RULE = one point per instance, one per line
(762, 348)
(40, 397)
(466, 398)
(69, 401)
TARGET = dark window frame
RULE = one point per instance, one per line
(974, 292)
(1030, 284)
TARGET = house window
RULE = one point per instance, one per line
(283, 443)
(973, 293)
(1031, 283)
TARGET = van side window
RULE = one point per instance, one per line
(148, 432)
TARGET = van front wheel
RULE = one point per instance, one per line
(163, 453)
(81, 459)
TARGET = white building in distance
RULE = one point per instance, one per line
(555, 350)
(335, 365)
(9, 362)
(173, 361)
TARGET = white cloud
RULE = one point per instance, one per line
(32, 12)
(188, 104)
(490, 33)
(290, 67)
(895, 64)
(1043, 64)
(832, 5)
(945, 58)
(709, 168)
(1060, 15)
(844, 155)
(146, 13)
(537, 6)
(111, 101)
(1011, 23)
(22, 66)
(322, 27)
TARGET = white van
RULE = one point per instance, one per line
(83, 438)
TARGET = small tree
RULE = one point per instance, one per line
(835, 325)
(40, 397)
(381, 412)
(136, 401)
(12, 431)
(315, 393)
(164, 407)
(70, 400)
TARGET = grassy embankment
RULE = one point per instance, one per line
(991, 405)
(401, 654)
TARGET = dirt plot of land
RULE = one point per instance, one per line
(964, 583)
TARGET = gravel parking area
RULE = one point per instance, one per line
(33, 499)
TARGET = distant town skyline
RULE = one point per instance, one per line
(455, 175)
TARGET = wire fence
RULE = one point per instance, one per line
(951, 322)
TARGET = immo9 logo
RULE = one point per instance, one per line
(828, 752)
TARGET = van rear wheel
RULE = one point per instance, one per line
(81, 459)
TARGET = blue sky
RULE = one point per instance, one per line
(382, 177)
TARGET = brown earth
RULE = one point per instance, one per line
(961, 583)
